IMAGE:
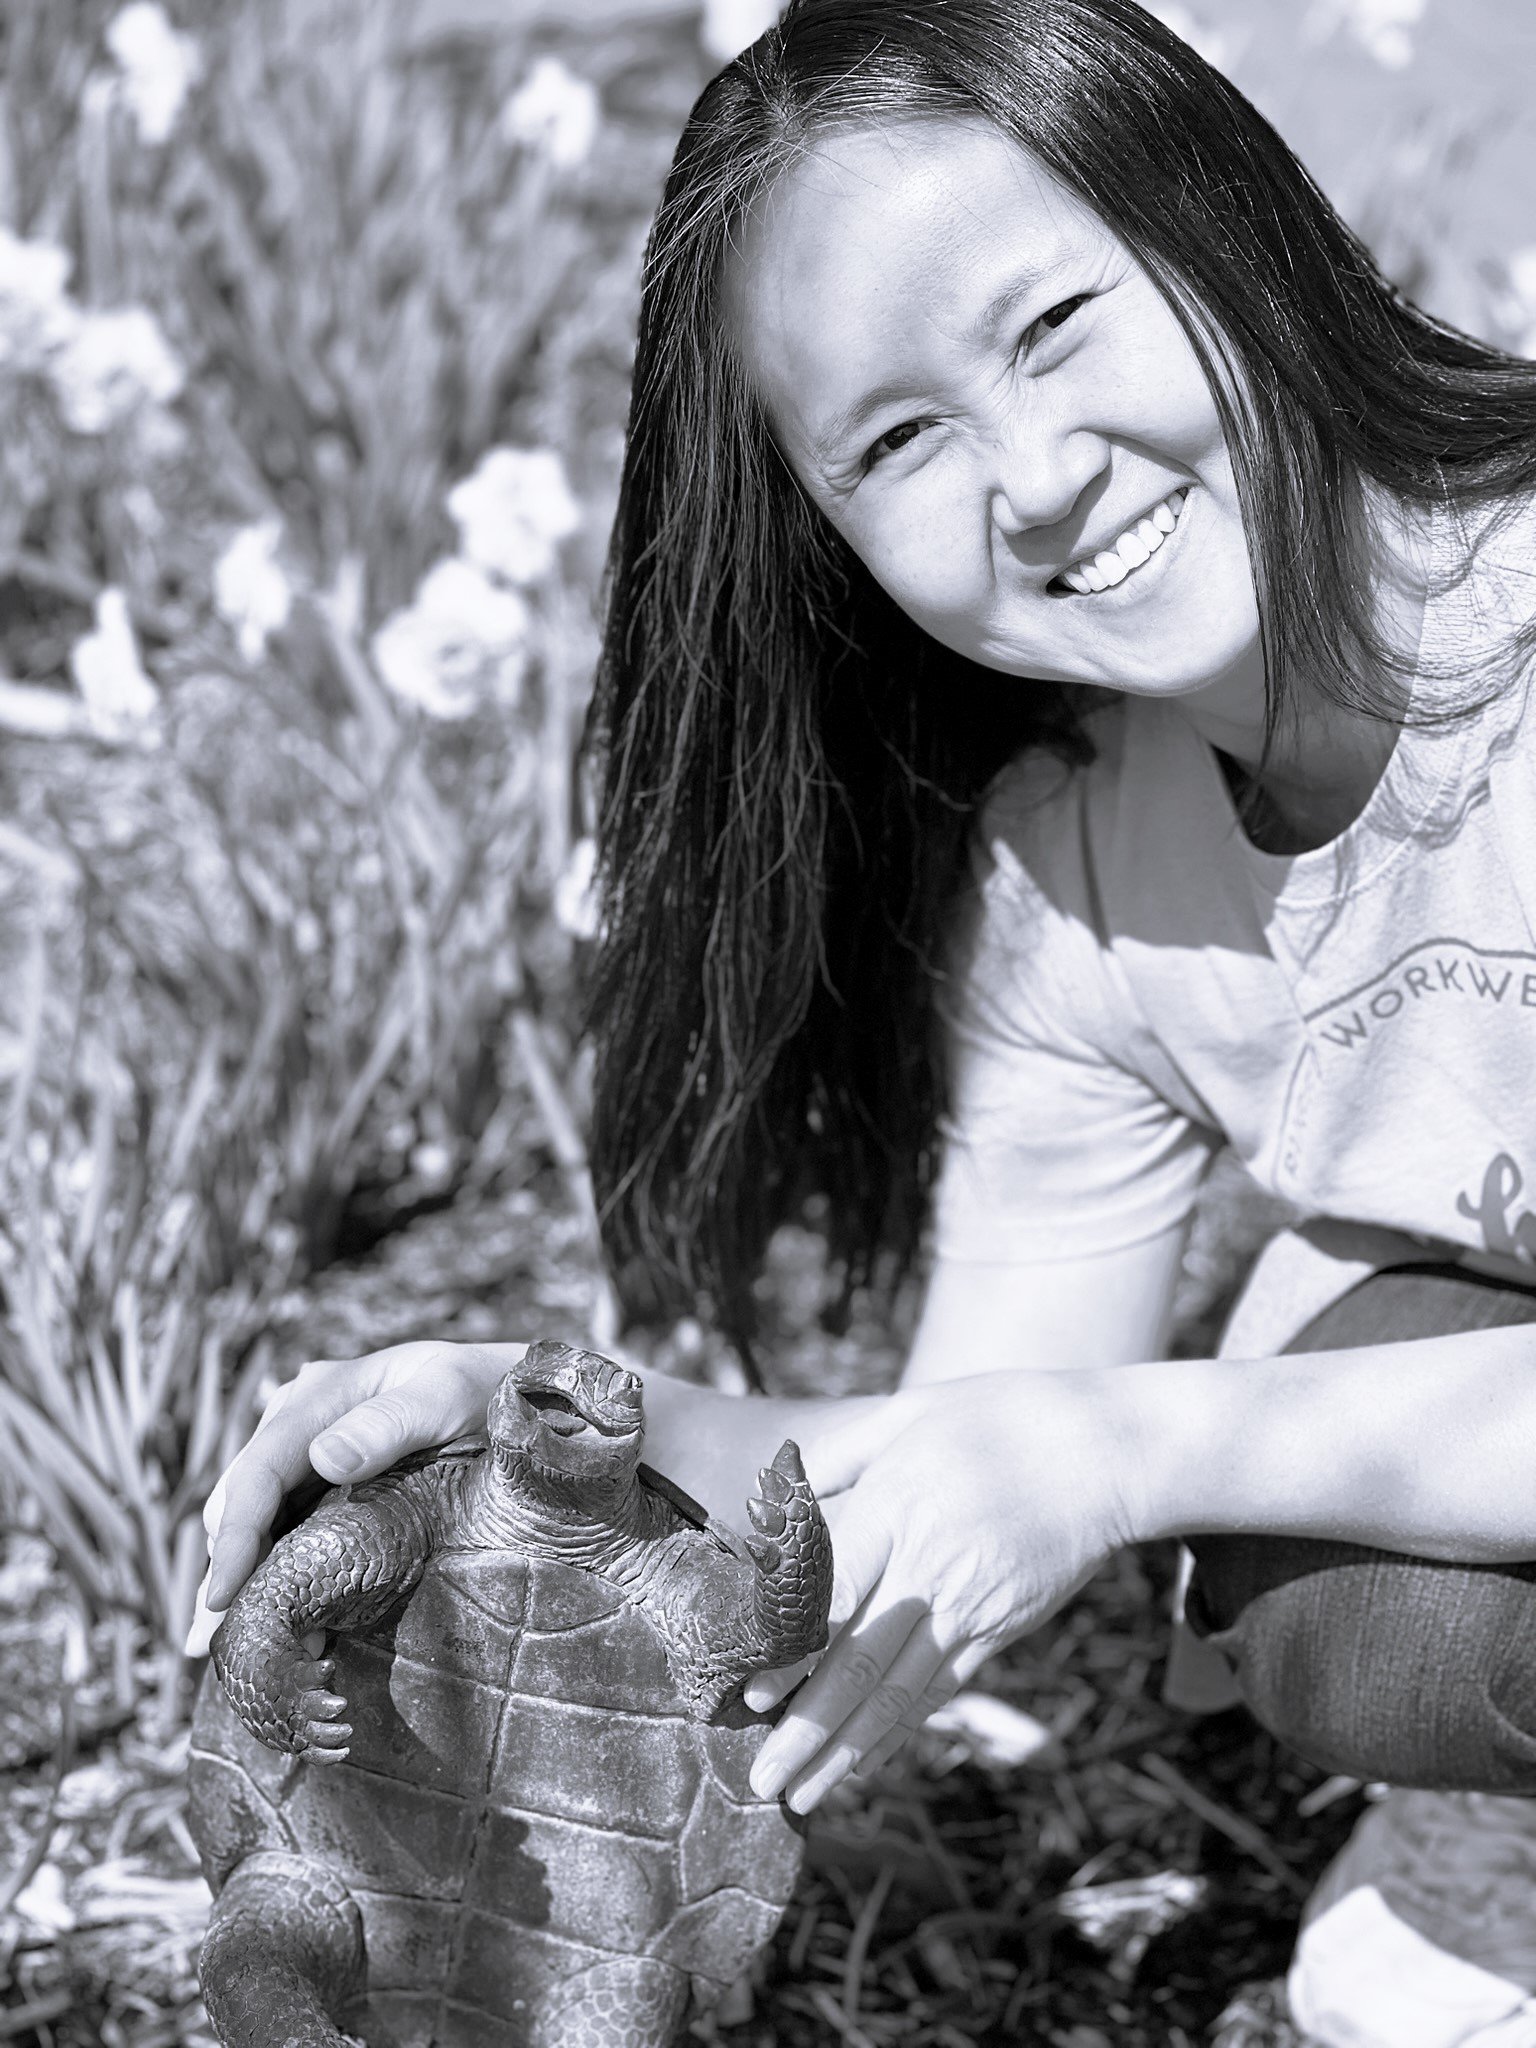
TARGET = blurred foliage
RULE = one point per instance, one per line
(281, 949)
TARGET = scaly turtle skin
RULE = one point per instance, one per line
(533, 1827)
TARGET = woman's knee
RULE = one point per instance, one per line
(1379, 1665)
(1370, 1662)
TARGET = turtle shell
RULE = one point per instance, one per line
(525, 1795)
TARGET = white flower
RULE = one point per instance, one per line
(158, 67)
(1217, 48)
(462, 639)
(120, 698)
(576, 893)
(514, 511)
(37, 315)
(111, 366)
(727, 26)
(1381, 27)
(251, 592)
(554, 112)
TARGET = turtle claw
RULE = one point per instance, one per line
(775, 1485)
(767, 1554)
(328, 1736)
(767, 1517)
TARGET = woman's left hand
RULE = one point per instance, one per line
(966, 1529)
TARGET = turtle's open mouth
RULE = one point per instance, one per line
(560, 1413)
(563, 1416)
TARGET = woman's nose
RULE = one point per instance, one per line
(1038, 475)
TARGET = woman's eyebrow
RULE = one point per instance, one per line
(1021, 286)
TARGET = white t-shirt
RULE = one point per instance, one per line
(1139, 983)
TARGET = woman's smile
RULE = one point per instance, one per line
(1108, 567)
(1000, 412)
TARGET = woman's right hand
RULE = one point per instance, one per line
(346, 1419)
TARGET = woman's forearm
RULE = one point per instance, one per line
(713, 1444)
(1427, 1447)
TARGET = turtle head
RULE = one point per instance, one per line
(567, 1415)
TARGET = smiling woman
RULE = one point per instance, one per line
(940, 304)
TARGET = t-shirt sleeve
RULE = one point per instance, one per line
(1059, 1139)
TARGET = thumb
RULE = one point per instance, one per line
(863, 1537)
(371, 1437)
(840, 1453)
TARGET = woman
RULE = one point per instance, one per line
(1024, 459)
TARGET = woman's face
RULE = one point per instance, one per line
(993, 404)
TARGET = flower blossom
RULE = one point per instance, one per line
(463, 638)
(37, 316)
(112, 364)
(513, 512)
(1381, 27)
(553, 112)
(157, 68)
(120, 699)
(252, 594)
(727, 26)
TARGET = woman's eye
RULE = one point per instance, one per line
(1058, 316)
(892, 439)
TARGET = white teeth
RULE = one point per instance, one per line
(1138, 544)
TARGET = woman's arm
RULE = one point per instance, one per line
(1006, 1491)
(1100, 1308)
(1427, 1446)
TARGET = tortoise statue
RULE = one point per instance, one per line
(533, 1829)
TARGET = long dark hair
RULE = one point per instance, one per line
(789, 767)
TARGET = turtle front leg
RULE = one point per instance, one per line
(342, 1569)
(792, 1588)
(283, 1956)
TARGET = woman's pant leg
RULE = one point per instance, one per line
(1370, 1662)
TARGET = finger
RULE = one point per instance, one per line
(253, 1489)
(244, 1502)
(205, 1621)
(851, 1670)
(882, 1752)
(372, 1435)
(764, 1689)
(911, 1689)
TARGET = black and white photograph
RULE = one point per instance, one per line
(768, 1024)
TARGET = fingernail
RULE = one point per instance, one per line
(340, 1454)
(205, 1621)
(765, 1778)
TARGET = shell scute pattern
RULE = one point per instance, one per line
(543, 1826)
